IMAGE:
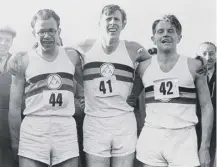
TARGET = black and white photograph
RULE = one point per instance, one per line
(108, 83)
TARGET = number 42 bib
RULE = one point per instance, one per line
(166, 88)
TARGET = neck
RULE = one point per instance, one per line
(2, 56)
(167, 55)
(48, 54)
(211, 70)
(109, 45)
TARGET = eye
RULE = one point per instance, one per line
(211, 53)
(116, 19)
(204, 53)
(108, 19)
(160, 31)
(171, 31)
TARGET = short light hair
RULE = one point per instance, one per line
(209, 43)
(9, 30)
(45, 14)
(169, 18)
(110, 9)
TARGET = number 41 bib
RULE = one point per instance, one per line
(105, 86)
(166, 88)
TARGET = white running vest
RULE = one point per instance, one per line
(49, 88)
(170, 97)
(108, 80)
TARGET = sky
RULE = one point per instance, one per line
(79, 20)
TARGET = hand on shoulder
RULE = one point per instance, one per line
(15, 64)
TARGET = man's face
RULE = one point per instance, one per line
(46, 33)
(166, 37)
(6, 40)
(111, 25)
(208, 52)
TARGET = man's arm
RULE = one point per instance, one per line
(206, 111)
(14, 116)
(138, 84)
(202, 70)
(137, 52)
(75, 57)
(16, 66)
(15, 62)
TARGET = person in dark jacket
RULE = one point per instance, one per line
(7, 35)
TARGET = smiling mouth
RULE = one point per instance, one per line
(47, 42)
(112, 29)
(166, 41)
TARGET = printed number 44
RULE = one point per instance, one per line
(56, 99)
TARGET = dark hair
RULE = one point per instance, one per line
(170, 18)
(45, 14)
(210, 43)
(109, 9)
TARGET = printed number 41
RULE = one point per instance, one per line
(56, 100)
(102, 87)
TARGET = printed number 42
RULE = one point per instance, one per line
(56, 99)
(102, 86)
(166, 87)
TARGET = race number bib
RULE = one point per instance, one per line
(105, 86)
(54, 99)
(166, 88)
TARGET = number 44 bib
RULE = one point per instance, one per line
(166, 88)
(54, 99)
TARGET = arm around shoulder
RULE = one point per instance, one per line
(18, 63)
(137, 52)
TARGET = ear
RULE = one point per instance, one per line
(59, 31)
(179, 38)
(99, 23)
(33, 32)
(124, 24)
(153, 40)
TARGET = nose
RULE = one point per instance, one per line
(112, 21)
(206, 56)
(46, 35)
(165, 33)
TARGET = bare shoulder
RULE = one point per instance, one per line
(136, 51)
(73, 54)
(86, 45)
(18, 63)
(132, 45)
(194, 65)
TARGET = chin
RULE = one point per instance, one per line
(210, 66)
(48, 49)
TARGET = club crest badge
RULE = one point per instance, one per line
(107, 70)
(54, 81)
